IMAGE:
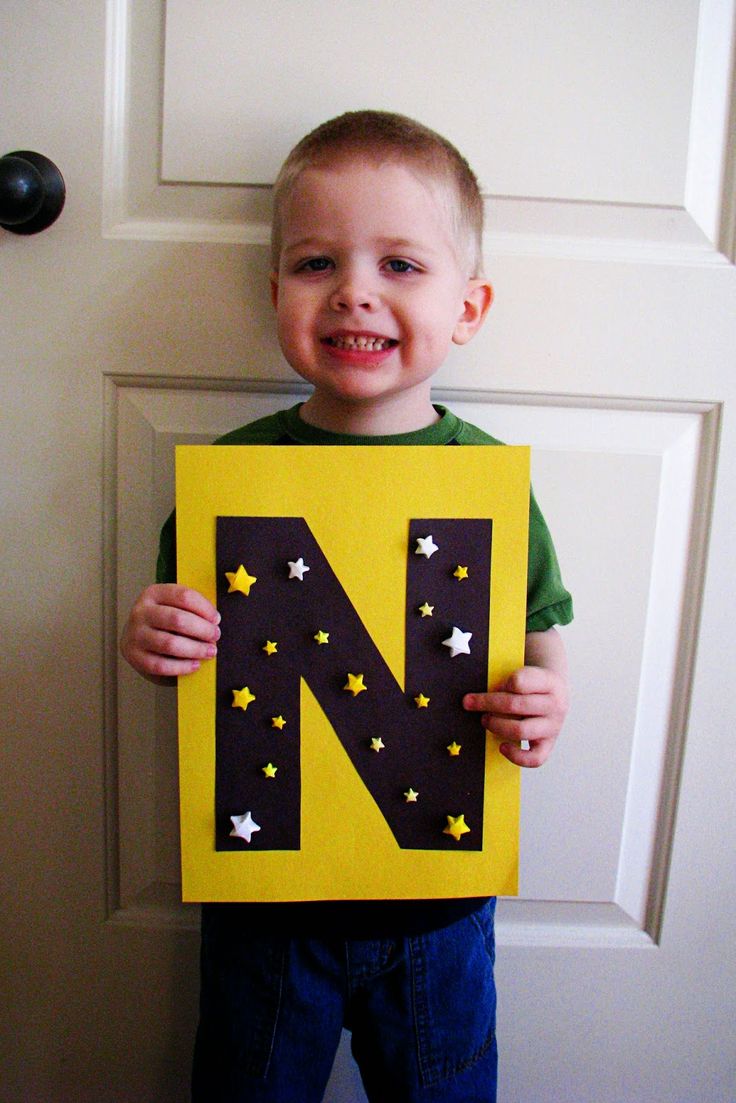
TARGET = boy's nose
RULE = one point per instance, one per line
(353, 293)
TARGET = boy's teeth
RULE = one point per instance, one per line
(367, 344)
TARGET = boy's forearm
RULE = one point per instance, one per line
(546, 650)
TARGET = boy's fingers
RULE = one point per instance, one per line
(530, 758)
(500, 703)
(162, 667)
(525, 714)
(514, 704)
(178, 646)
(171, 630)
(529, 679)
(182, 597)
(179, 622)
(507, 727)
(476, 702)
(177, 609)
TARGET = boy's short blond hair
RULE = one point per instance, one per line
(385, 136)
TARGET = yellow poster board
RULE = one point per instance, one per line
(325, 753)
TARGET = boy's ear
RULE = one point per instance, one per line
(274, 278)
(476, 304)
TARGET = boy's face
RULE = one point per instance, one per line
(370, 290)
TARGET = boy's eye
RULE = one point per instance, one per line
(396, 264)
(315, 264)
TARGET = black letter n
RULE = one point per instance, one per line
(288, 612)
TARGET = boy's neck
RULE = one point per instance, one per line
(369, 419)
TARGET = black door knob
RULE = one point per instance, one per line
(32, 192)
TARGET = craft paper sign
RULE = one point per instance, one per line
(325, 753)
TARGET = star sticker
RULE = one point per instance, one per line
(297, 569)
(458, 642)
(322, 637)
(355, 684)
(270, 770)
(425, 546)
(460, 572)
(411, 796)
(426, 610)
(377, 743)
(454, 749)
(242, 698)
(240, 581)
(270, 647)
(277, 722)
(243, 826)
(456, 826)
(421, 701)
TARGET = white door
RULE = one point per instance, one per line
(142, 317)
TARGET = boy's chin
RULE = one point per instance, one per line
(399, 410)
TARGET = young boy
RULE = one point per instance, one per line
(377, 269)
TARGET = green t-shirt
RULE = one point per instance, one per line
(548, 602)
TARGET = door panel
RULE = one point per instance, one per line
(639, 475)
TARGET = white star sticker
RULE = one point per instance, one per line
(243, 826)
(459, 642)
(425, 546)
(298, 569)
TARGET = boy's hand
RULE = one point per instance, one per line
(532, 703)
(170, 630)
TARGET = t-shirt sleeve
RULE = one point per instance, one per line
(548, 602)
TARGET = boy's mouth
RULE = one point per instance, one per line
(360, 342)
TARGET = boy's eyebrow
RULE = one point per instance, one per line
(304, 243)
(399, 244)
(387, 244)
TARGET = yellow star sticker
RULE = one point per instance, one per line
(460, 572)
(377, 743)
(421, 701)
(454, 748)
(355, 684)
(242, 698)
(411, 796)
(240, 580)
(322, 637)
(277, 722)
(270, 770)
(456, 826)
(270, 647)
(426, 610)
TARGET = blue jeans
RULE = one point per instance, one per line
(421, 1011)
